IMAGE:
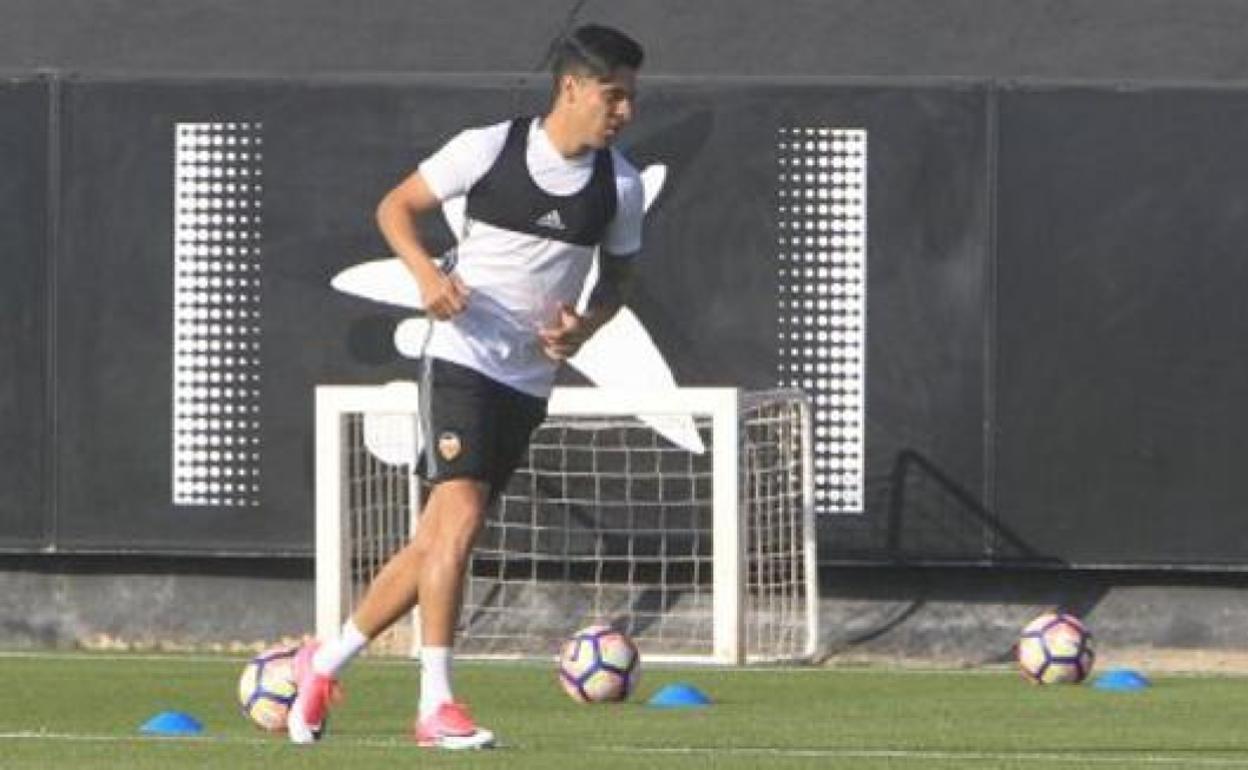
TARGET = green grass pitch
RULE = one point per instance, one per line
(84, 711)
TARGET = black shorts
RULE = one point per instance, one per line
(477, 427)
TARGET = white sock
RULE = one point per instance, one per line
(435, 678)
(333, 655)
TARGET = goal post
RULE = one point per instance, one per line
(364, 502)
(684, 517)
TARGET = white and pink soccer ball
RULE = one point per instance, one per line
(1055, 648)
(267, 687)
(599, 664)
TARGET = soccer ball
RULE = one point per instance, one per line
(1055, 648)
(267, 687)
(599, 664)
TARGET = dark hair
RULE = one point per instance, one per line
(594, 50)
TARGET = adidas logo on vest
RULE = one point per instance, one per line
(551, 220)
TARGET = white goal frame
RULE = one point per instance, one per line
(729, 555)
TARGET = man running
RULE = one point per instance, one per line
(543, 197)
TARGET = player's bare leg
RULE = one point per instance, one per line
(429, 568)
(448, 528)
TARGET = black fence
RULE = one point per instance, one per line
(1053, 331)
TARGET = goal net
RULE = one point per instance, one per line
(683, 518)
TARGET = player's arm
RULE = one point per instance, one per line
(616, 257)
(397, 216)
(615, 276)
(571, 330)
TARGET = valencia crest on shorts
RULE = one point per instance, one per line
(449, 445)
(478, 428)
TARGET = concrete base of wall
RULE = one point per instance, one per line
(152, 604)
(972, 617)
(944, 617)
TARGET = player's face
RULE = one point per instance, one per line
(604, 106)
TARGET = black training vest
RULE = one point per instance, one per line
(507, 197)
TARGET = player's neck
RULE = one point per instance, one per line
(563, 135)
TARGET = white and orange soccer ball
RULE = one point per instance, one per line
(267, 687)
(599, 664)
(1055, 648)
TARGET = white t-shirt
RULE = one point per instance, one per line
(517, 280)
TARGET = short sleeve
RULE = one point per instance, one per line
(459, 164)
(623, 237)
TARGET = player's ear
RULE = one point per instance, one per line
(570, 86)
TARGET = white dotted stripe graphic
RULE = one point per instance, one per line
(216, 314)
(823, 298)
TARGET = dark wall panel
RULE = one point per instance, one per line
(926, 264)
(115, 327)
(927, 269)
(24, 512)
(1114, 358)
(328, 155)
(1122, 369)
(708, 286)
(710, 291)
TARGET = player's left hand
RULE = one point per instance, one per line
(561, 340)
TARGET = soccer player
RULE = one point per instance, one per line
(543, 196)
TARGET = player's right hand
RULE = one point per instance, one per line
(444, 295)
